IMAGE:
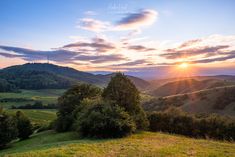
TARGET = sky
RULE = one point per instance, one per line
(142, 38)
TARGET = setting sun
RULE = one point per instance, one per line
(183, 65)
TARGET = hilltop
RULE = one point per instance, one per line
(45, 76)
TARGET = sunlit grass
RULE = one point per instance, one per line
(141, 144)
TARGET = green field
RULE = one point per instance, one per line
(46, 96)
(68, 144)
(37, 116)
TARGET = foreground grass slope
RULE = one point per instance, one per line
(142, 144)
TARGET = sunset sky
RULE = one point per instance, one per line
(143, 38)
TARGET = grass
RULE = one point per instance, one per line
(142, 144)
(45, 95)
(37, 116)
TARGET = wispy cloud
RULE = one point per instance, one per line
(93, 25)
(131, 21)
(137, 19)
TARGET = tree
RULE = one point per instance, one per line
(70, 101)
(104, 121)
(8, 128)
(24, 126)
(123, 92)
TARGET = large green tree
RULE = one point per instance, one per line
(8, 128)
(70, 101)
(123, 92)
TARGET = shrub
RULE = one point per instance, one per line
(123, 92)
(105, 121)
(24, 126)
(8, 128)
(175, 121)
(70, 101)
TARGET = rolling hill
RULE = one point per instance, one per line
(68, 144)
(45, 76)
(220, 100)
(187, 85)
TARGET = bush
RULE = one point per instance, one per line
(70, 101)
(175, 121)
(123, 92)
(8, 128)
(105, 121)
(24, 126)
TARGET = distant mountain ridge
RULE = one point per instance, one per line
(43, 75)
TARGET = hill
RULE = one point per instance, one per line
(220, 100)
(187, 85)
(50, 76)
(68, 144)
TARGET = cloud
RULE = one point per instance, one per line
(101, 58)
(186, 53)
(97, 44)
(131, 21)
(227, 56)
(93, 25)
(33, 55)
(140, 48)
(102, 53)
(133, 63)
(138, 19)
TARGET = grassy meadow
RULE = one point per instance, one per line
(68, 144)
(39, 116)
(46, 96)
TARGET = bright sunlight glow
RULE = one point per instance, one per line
(183, 65)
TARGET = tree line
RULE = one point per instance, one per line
(176, 121)
(36, 105)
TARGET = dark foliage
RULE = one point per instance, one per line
(36, 105)
(24, 125)
(177, 122)
(105, 121)
(15, 100)
(8, 128)
(225, 99)
(70, 101)
(5, 86)
(123, 92)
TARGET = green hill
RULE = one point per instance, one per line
(220, 100)
(69, 144)
(181, 86)
(50, 76)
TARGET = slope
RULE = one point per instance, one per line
(220, 100)
(142, 144)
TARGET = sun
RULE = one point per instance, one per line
(183, 65)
